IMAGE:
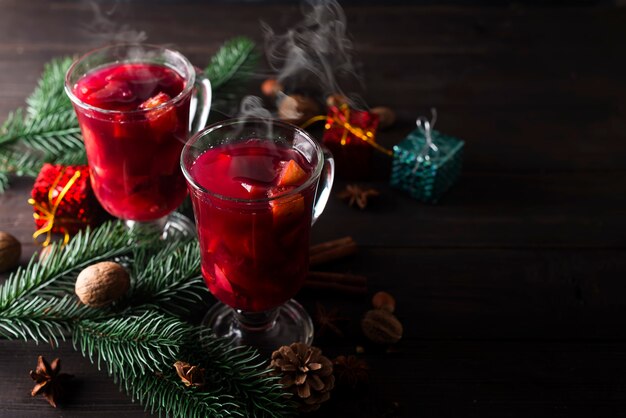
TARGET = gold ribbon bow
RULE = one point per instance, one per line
(48, 211)
(343, 119)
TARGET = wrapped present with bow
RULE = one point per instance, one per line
(63, 201)
(351, 137)
(426, 163)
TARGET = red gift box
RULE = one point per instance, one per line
(350, 135)
(63, 201)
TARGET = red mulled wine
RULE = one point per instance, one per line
(254, 225)
(134, 129)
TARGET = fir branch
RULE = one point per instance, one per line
(44, 319)
(53, 134)
(244, 373)
(132, 345)
(163, 392)
(4, 181)
(234, 61)
(47, 278)
(171, 280)
(49, 96)
(21, 162)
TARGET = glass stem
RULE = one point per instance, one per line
(256, 321)
(155, 226)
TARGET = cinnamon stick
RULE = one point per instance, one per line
(345, 283)
(332, 250)
(324, 246)
(344, 288)
(339, 278)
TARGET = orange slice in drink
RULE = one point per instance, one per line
(291, 175)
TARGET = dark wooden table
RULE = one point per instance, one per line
(512, 290)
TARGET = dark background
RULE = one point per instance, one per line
(512, 290)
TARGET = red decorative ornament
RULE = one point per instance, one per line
(63, 201)
(351, 137)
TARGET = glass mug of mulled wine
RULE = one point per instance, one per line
(133, 104)
(256, 186)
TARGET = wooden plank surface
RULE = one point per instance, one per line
(511, 289)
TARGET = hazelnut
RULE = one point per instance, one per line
(386, 116)
(336, 100)
(381, 327)
(271, 87)
(10, 251)
(297, 109)
(102, 283)
(384, 301)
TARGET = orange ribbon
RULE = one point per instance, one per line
(48, 212)
(343, 120)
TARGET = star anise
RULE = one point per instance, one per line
(190, 375)
(350, 371)
(48, 380)
(327, 319)
(358, 195)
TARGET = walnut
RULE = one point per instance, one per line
(297, 109)
(10, 251)
(100, 284)
(381, 327)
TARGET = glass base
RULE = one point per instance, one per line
(265, 331)
(173, 226)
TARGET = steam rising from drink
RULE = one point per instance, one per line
(311, 60)
(104, 29)
(316, 52)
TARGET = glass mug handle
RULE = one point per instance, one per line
(326, 183)
(200, 102)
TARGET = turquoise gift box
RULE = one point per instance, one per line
(426, 163)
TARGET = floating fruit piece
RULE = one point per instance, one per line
(287, 210)
(113, 91)
(163, 119)
(291, 175)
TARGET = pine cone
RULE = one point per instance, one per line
(305, 372)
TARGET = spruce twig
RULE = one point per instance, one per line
(132, 344)
(234, 61)
(170, 280)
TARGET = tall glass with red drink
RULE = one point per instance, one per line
(133, 106)
(256, 186)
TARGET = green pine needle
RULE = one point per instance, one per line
(234, 61)
(63, 264)
(132, 345)
(164, 393)
(49, 96)
(170, 281)
(44, 319)
(139, 338)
